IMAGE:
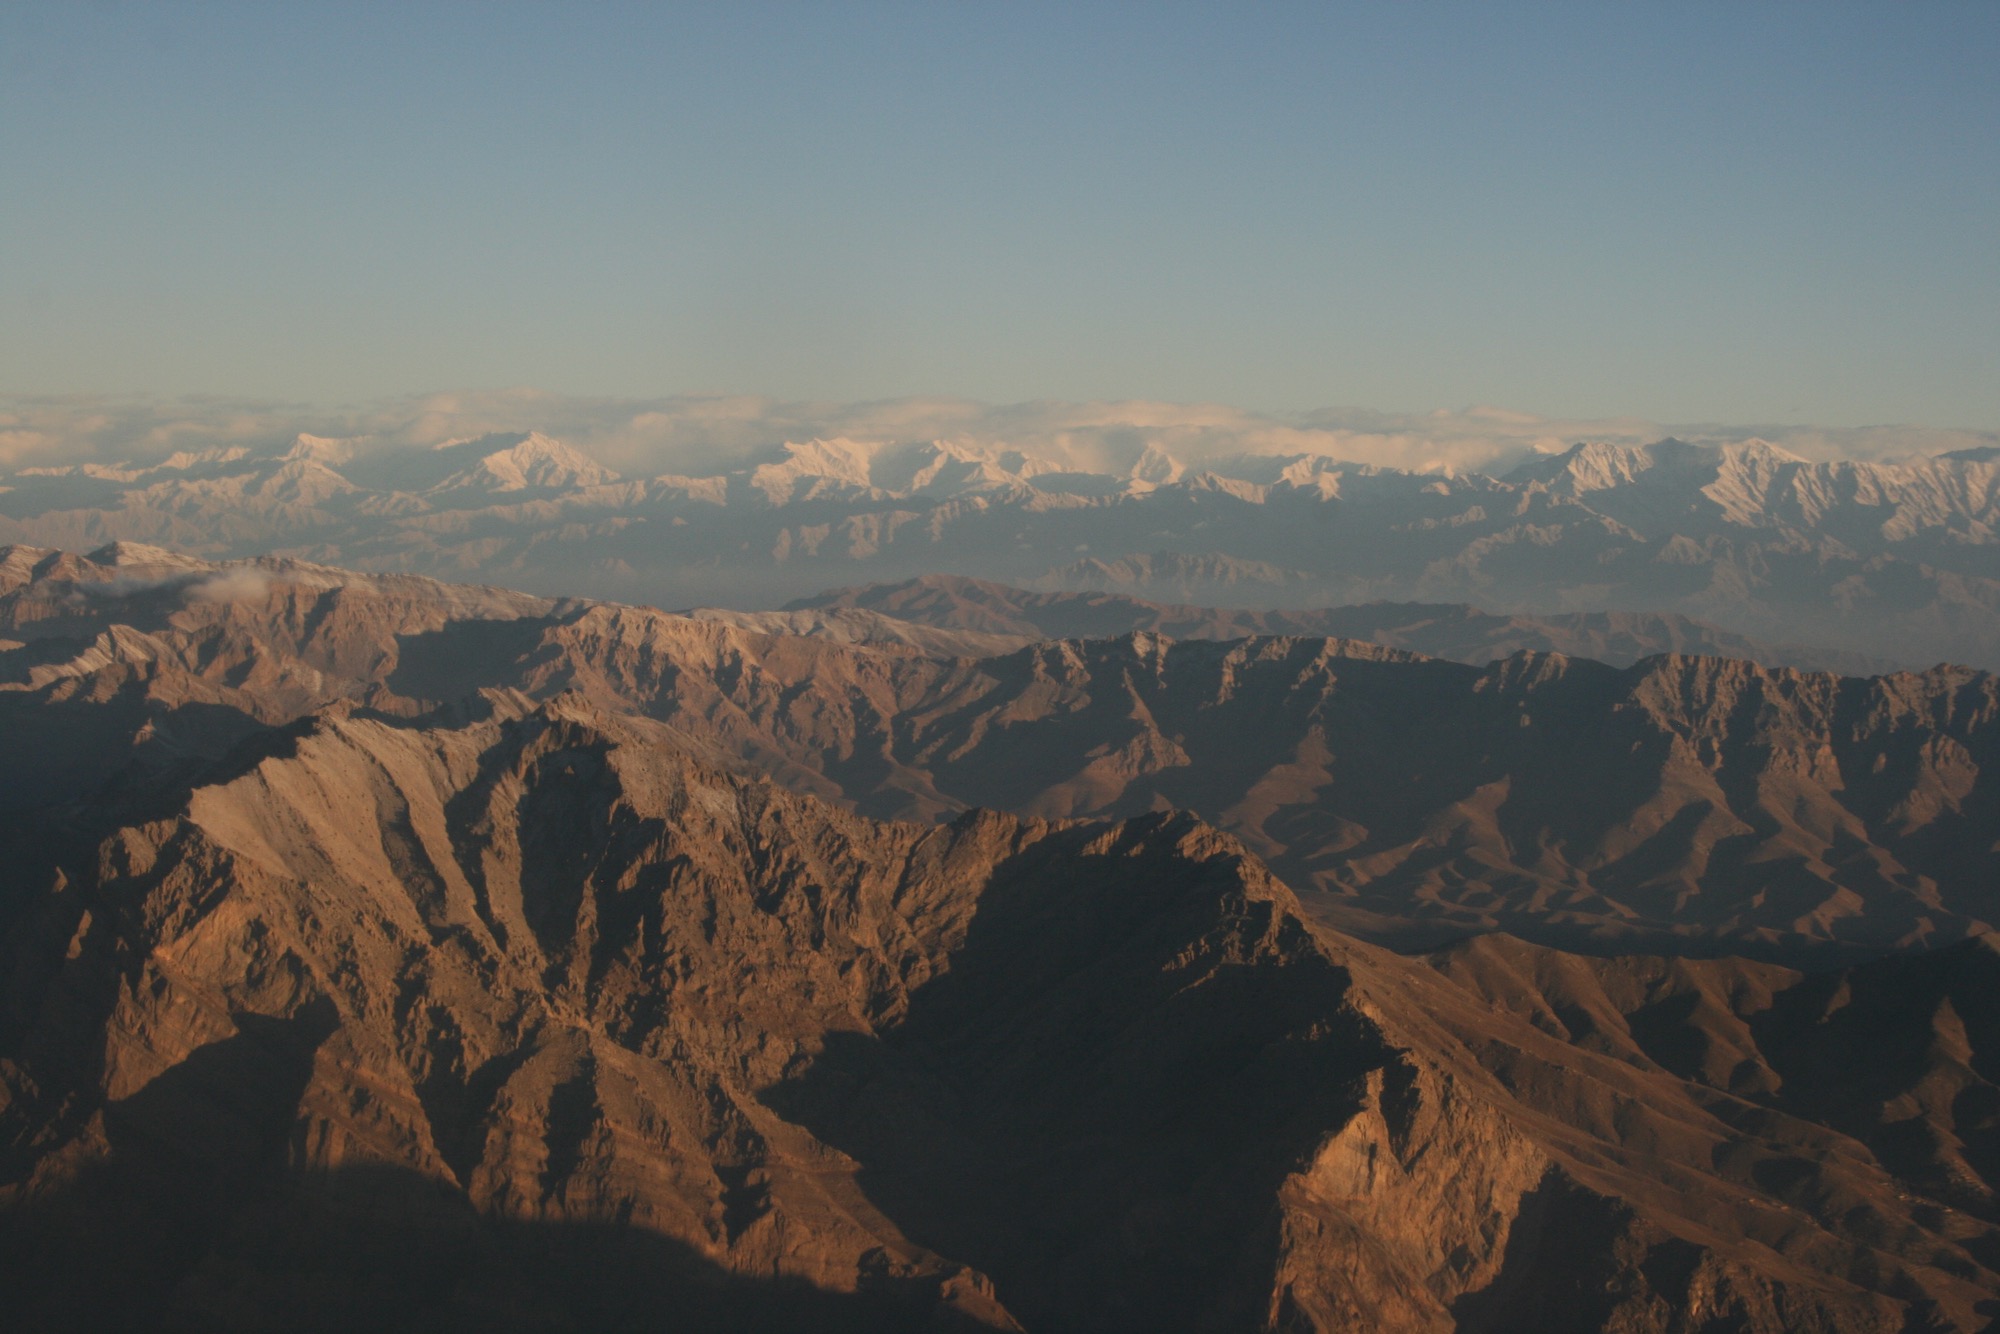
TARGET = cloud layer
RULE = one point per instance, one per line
(696, 434)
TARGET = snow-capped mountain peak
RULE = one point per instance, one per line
(524, 462)
(1156, 467)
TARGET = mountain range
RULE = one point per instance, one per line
(383, 953)
(956, 614)
(1681, 802)
(1896, 561)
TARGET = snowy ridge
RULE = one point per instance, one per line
(1895, 559)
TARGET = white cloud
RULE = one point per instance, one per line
(241, 584)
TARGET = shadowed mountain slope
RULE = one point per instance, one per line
(545, 1001)
(1684, 800)
(1682, 804)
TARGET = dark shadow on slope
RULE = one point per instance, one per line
(1930, 1025)
(61, 749)
(1097, 1103)
(458, 660)
(185, 1152)
(17, 665)
(194, 1221)
(1560, 1270)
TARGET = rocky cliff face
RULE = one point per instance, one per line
(539, 1021)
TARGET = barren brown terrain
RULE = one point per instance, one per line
(377, 953)
(538, 1021)
(1694, 804)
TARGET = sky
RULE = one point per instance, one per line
(1689, 212)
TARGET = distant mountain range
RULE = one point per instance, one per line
(378, 953)
(975, 617)
(1685, 804)
(1897, 562)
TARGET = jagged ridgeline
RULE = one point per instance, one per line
(384, 954)
(1893, 561)
(1696, 804)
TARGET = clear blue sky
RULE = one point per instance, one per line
(1731, 212)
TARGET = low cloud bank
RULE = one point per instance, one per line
(702, 434)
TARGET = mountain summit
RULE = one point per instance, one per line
(529, 462)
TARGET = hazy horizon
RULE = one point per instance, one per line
(695, 432)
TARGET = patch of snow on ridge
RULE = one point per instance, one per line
(125, 555)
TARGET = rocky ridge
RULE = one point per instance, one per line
(1683, 804)
(926, 610)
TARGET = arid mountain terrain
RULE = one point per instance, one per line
(947, 611)
(1682, 803)
(539, 1022)
(383, 953)
(1895, 561)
